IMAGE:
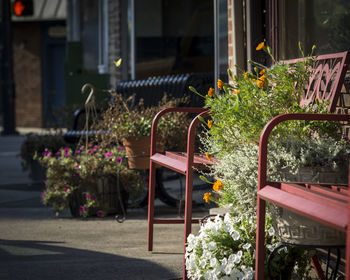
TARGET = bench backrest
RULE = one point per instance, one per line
(326, 79)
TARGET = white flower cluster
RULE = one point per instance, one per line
(218, 250)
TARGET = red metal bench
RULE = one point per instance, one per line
(323, 203)
(182, 163)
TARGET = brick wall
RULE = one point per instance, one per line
(114, 40)
(27, 74)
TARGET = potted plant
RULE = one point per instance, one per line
(240, 110)
(37, 143)
(89, 180)
(131, 125)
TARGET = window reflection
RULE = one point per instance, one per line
(324, 23)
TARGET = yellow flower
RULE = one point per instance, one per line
(262, 78)
(210, 124)
(208, 156)
(210, 92)
(260, 46)
(236, 91)
(253, 80)
(220, 84)
(262, 72)
(207, 197)
(246, 75)
(217, 186)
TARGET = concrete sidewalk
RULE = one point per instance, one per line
(35, 244)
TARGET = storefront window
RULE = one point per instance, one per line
(324, 23)
(173, 37)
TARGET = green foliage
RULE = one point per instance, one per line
(125, 120)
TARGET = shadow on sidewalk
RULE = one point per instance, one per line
(42, 260)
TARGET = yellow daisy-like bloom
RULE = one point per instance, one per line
(210, 124)
(262, 78)
(253, 80)
(220, 84)
(246, 76)
(208, 156)
(262, 72)
(260, 46)
(236, 91)
(207, 197)
(210, 92)
(217, 186)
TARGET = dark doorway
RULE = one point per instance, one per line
(54, 97)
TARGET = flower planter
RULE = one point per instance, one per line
(138, 150)
(106, 191)
(296, 229)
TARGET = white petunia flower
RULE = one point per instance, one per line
(271, 231)
(246, 246)
(214, 262)
(211, 245)
(235, 235)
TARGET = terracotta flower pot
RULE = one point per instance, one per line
(138, 150)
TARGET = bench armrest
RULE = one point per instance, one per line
(263, 143)
(191, 131)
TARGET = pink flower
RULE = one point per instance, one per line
(77, 151)
(58, 153)
(87, 196)
(44, 153)
(66, 149)
(90, 151)
(45, 181)
(95, 147)
(123, 147)
(118, 159)
(65, 189)
(67, 154)
(119, 148)
(94, 198)
(77, 166)
(49, 154)
(107, 155)
(43, 195)
(99, 213)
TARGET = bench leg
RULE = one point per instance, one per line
(260, 239)
(151, 196)
(188, 213)
(347, 248)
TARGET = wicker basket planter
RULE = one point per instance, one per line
(107, 194)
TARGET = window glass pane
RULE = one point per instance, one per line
(89, 33)
(324, 23)
(173, 37)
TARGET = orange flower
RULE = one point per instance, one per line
(253, 80)
(260, 46)
(210, 92)
(236, 91)
(262, 72)
(217, 186)
(208, 156)
(210, 124)
(262, 78)
(220, 84)
(260, 83)
(207, 197)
